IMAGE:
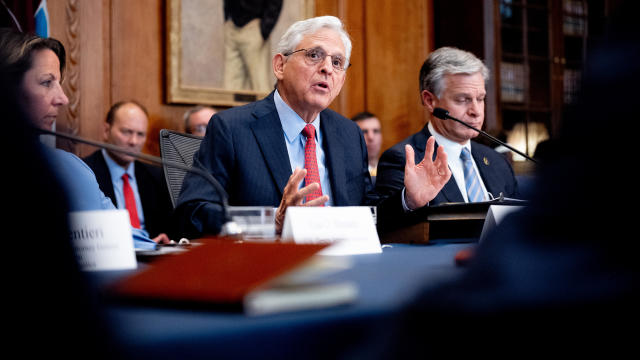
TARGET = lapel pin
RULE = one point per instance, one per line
(485, 160)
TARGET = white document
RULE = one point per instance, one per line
(102, 240)
(349, 228)
(495, 215)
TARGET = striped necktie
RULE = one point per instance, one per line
(471, 179)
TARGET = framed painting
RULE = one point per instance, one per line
(203, 64)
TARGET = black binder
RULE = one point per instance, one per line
(444, 222)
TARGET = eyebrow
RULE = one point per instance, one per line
(48, 76)
(468, 94)
(325, 51)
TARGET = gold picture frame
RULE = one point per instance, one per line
(195, 51)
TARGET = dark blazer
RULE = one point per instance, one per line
(152, 187)
(244, 149)
(495, 171)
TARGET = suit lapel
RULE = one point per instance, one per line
(267, 130)
(451, 191)
(489, 178)
(334, 152)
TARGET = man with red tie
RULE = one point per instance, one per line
(132, 185)
(288, 149)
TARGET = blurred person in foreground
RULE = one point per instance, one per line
(45, 287)
(36, 66)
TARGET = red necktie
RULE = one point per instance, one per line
(130, 202)
(310, 162)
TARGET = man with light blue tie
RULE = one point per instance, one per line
(132, 185)
(454, 80)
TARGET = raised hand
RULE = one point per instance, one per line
(424, 181)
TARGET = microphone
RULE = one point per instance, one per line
(444, 115)
(229, 227)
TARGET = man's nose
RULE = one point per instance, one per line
(135, 140)
(474, 109)
(326, 65)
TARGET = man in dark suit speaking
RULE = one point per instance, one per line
(287, 149)
(452, 79)
(131, 184)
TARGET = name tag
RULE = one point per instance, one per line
(495, 215)
(349, 228)
(102, 240)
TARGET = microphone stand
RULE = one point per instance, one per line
(444, 115)
(229, 228)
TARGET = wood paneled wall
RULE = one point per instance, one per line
(116, 51)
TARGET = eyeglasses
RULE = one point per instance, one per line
(317, 55)
(199, 129)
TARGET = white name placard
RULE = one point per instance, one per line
(495, 215)
(350, 229)
(102, 240)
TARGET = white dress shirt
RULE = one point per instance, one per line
(453, 150)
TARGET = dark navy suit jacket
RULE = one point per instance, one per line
(245, 150)
(495, 171)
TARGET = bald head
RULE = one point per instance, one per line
(126, 126)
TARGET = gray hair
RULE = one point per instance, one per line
(193, 110)
(448, 61)
(300, 29)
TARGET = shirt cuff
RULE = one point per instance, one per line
(141, 240)
(404, 203)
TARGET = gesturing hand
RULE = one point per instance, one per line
(293, 197)
(424, 181)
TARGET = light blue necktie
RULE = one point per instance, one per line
(471, 180)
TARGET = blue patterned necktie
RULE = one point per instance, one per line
(471, 180)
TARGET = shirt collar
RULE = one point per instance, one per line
(292, 123)
(115, 169)
(452, 148)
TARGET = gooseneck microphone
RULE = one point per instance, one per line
(444, 115)
(228, 227)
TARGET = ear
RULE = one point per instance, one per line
(106, 128)
(429, 100)
(278, 66)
